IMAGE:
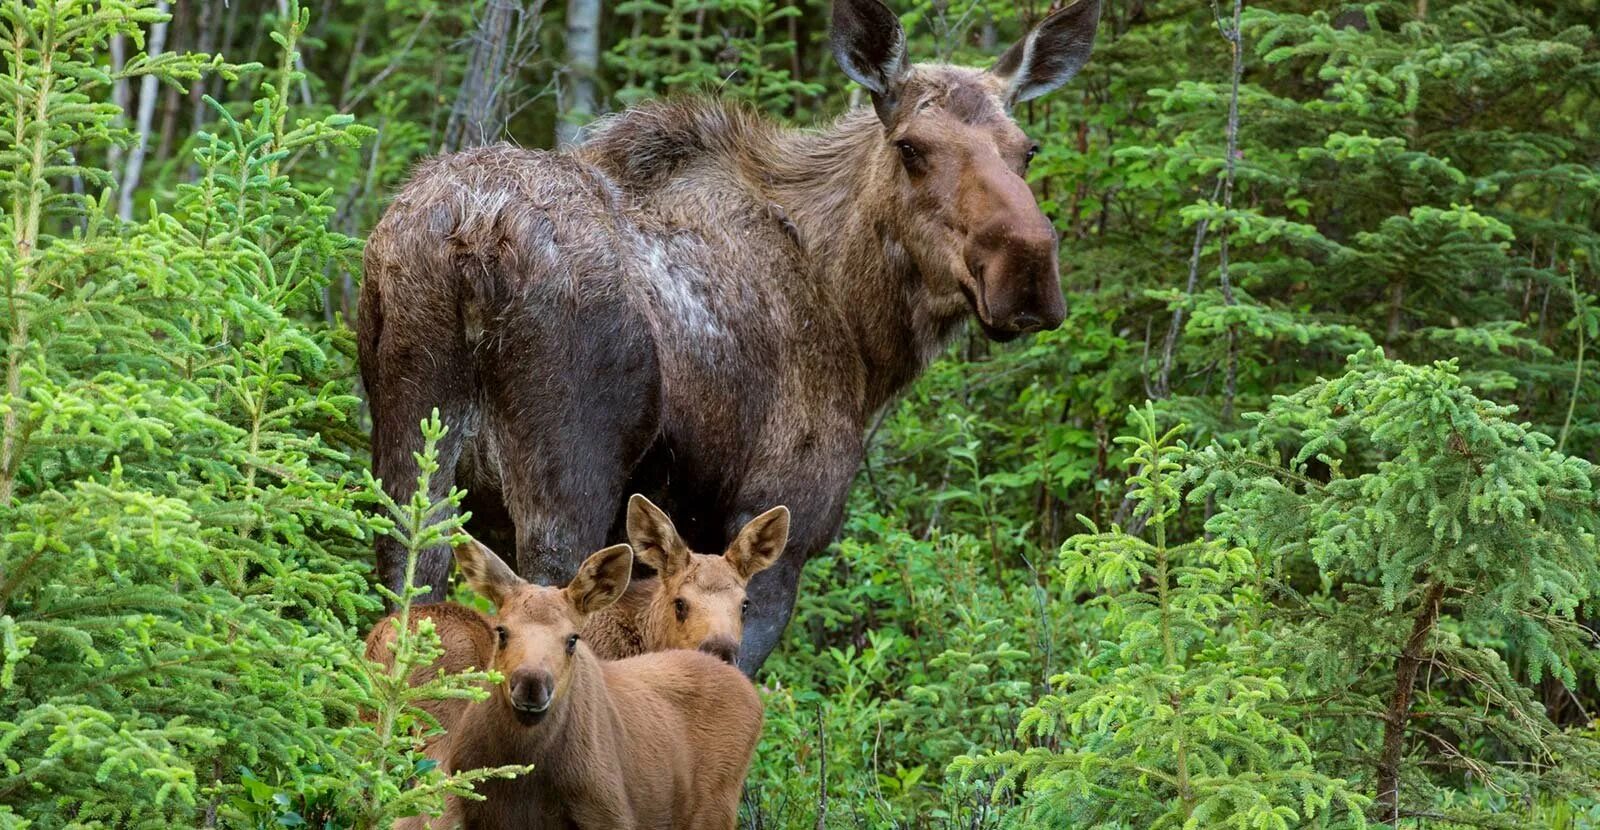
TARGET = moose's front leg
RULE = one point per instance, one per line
(771, 593)
(816, 509)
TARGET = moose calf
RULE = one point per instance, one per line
(695, 601)
(657, 741)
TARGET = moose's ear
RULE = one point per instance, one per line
(760, 542)
(1050, 54)
(655, 541)
(485, 572)
(601, 579)
(870, 47)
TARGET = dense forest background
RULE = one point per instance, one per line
(1292, 523)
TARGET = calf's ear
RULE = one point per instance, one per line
(760, 542)
(601, 579)
(485, 572)
(654, 539)
(870, 46)
(1051, 54)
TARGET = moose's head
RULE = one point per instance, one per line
(701, 603)
(967, 218)
(536, 627)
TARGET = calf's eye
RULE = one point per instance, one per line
(502, 635)
(744, 608)
(681, 607)
(572, 644)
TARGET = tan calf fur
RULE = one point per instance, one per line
(657, 741)
(466, 638)
(695, 600)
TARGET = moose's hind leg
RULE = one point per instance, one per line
(414, 379)
(573, 402)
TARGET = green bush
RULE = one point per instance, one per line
(1349, 589)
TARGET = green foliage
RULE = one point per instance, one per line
(1177, 696)
(183, 568)
(1408, 520)
(186, 525)
(732, 47)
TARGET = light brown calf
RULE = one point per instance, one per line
(695, 600)
(658, 741)
(466, 637)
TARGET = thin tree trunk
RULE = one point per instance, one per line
(1163, 384)
(1397, 296)
(148, 91)
(1236, 39)
(206, 43)
(171, 97)
(582, 66)
(1399, 711)
(357, 52)
(119, 94)
(213, 84)
(480, 112)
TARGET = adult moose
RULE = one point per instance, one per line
(704, 306)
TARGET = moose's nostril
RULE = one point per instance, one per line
(1027, 322)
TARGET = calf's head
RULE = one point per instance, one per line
(701, 603)
(536, 627)
(962, 209)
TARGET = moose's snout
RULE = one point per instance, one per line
(1014, 262)
(532, 691)
(723, 649)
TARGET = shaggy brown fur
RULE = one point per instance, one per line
(704, 306)
(659, 741)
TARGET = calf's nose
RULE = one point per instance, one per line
(721, 648)
(532, 691)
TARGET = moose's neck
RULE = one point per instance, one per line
(839, 188)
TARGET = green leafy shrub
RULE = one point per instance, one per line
(1177, 696)
(183, 570)
(1429, 557)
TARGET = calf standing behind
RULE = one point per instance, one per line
(658, 741)
(695, 600)
(704, 306)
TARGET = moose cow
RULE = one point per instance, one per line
(704, 306)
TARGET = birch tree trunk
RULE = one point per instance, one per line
(582, 67)
(149, 90)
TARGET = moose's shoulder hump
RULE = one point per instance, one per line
(648, 145)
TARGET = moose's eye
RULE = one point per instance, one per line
(1032, 151)
(744, 608)
(682, 608)
(572, 644)
(502, 635)
(910, 156)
